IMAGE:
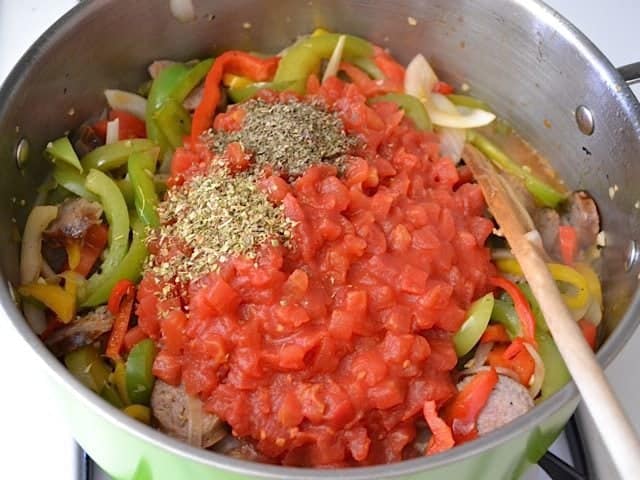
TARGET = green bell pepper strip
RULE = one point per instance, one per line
(161, 89)
(242, 94)
(305, 57)
(368, 66)
(412, 106)
(129, 268)
(468, 101)
(139, 377)
(141, 167)
(117, 215)
(87, 366)
(474, 325)
(556, 374)
(114, 155)
(124, 184)
(69, 179)
(174, 122)
(543, 193)
(61, 150)
(191, 80)
(505, 314)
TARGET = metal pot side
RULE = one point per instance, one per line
(531, 65)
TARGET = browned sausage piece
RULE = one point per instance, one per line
(83, 330)
(238, 448)
(169, 409)
(75, 216)
(508, 401)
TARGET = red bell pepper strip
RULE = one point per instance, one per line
(463, 411)
(523, 309)
(238, 63)
(441, 436)
(129, 126)
(495, 333)
(92, 247)
(443, 87)
(521, 362)
(125, 295)
(514, 349)
(134, 336)
(589, 331)
(568, 239)
(120, 289)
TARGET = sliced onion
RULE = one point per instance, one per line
(482, 352)
(47, 272)
(334, 61)
(464, 118)
(194, 421)
(113, 131)
(419, 78)
(452, 143)
(182, 10)
(594, 312)
(31, 250)
(538, 372)
(507, 372)
(194, 98)
(501, 254)
(35, 317)
(157, 66)
(127, 101)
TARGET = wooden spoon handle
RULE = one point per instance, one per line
(607, 414)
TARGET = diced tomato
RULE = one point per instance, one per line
(441, 436)
(444, 88)
(134, 336)
(129, 126)
(92, 247)
(167, 368)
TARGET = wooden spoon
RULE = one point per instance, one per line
(607, 414)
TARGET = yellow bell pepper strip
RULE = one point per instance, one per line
(54, 297)
(238, 63)
(115, 155)
(244, 93)
(468, 101)
(141, 167)
(577, 300)
(73, 253)
(141, 413)
(130, 268)
(474, 325)
(139, 377)
(119, 379)
(117, 215)
(61, 150)
(306, 55)
(69, 179)
(110, 394)
(413, 108)
(544, 194)
(87, 366)
(230, 80)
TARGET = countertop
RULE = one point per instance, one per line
(35, 441)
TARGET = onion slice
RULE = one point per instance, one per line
(113, 131)
(538, 372)
(419, 78)
(472, 118)
(127, 101)
(194, 421)
(507, 372)
(31, 250)
(482, 352)
(336, 58)
(182, 10)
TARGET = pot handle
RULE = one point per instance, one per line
(630, 73)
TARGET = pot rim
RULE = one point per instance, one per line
(528, 421)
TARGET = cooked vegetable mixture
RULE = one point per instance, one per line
(285, 259)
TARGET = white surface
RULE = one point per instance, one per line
(25, 408)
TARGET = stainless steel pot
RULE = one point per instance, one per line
(530, 64)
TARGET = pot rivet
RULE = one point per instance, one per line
(22, 152)
(632, 255)
(584, 118)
